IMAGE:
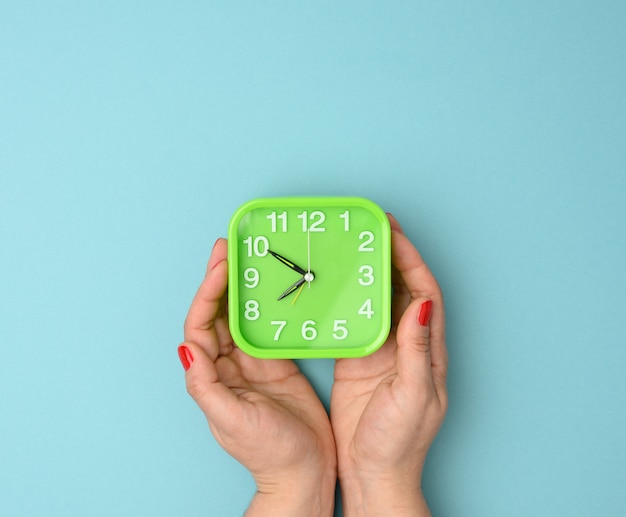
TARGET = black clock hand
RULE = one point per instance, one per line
(288, 263)
(292, 288)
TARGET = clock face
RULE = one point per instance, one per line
(309, 277)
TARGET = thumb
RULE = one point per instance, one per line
(219, 404)
(413, 337)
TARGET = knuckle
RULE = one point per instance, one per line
(195, 387)
(420, 343)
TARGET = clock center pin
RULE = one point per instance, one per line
(309, 277)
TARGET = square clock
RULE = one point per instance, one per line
(309, 277)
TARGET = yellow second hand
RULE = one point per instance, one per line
(297, 294)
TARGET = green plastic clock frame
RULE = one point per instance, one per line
(309, 277)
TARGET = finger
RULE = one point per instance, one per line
(219, 404)
(422, 345)
(208, 302)
(414, 347)
(219, 253)
(407, 261)
(401, 297)
(412, 281)
(438, 350)
(395, 225)
(414, 273)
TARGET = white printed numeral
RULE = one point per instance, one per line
(346, 220)
(276, 218)
(251, 277)
(367, 275)
(340, 331)
(366, 239)
(309, 332)
(366, 309)
(316, 218)
(252, 310)
(257, 246)
(280, 326)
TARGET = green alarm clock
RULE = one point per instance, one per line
(309, 277)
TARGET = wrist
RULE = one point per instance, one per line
(382, 495)
(312, 495)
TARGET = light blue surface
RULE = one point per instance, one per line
(130, 132)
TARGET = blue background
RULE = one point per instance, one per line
(131, 131)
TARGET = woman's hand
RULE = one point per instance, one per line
(262, 412)
(386, 408)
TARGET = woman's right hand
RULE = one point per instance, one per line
(264, 413)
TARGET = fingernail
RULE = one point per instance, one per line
(185, 357)
(425, 311)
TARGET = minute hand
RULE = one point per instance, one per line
(288, 263)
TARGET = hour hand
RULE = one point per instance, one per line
(292, 288)
(288, 263)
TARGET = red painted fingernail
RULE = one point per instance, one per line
(425, 311)
(185, 356)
